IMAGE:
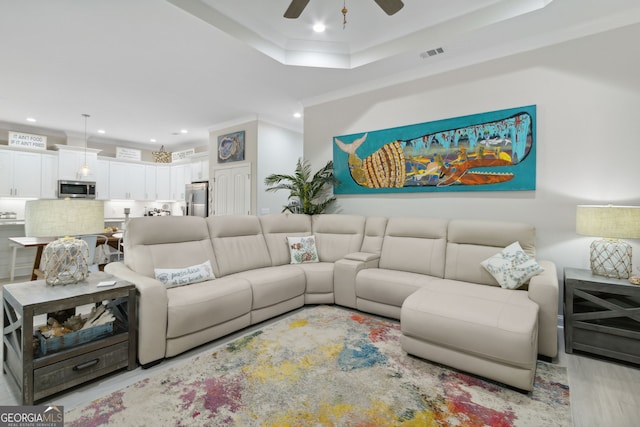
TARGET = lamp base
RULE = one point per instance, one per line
(611, 258)
(65, 261)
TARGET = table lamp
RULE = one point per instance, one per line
(609, 257)
(65, 260)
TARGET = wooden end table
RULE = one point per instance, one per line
(601, 315)
(38, 375)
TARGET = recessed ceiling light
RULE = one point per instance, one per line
(184, 131)
(152, 140)
(297, 115)
(31, 119)
(319, 27)
(101, 131)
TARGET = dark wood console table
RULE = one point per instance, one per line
(38, 375)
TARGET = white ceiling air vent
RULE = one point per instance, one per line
(431, 52)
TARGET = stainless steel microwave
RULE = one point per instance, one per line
(76, 189)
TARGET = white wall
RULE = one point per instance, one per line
(278, 152)
(587, 93)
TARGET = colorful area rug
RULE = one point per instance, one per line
(325, 366)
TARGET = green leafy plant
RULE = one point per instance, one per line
(307, 194)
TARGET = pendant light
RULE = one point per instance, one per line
(84, 170)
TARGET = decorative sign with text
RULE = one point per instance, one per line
(180, 155)
(27, 140)
(128, 153)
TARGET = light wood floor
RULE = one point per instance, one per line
(602, 393)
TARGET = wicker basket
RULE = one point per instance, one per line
(161, 156)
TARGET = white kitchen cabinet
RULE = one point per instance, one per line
(6, 173)
(179, 175)
(102, 180)
(49, 178)
(232, 190)
(199, 170)
(150, 183)
(163, 182)
(20, 174)
(71, 159)
(158, 182)
(126, 181)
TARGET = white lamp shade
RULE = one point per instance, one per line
(63, 217)
(622, 222)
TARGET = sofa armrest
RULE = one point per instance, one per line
(362, 256)
(344, 276)
(152, 312)
(544, 291)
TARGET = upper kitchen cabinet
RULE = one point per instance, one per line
(71, 159)
(126, 181)
(199, 170)
(150, 185)
(102, 180)
(20, 173)
(180, 175)
(163, 182)
(49, 178)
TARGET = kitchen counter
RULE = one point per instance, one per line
(11, 222)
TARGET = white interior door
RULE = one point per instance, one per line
(232, 190)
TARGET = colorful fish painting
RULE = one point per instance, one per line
(492, 151)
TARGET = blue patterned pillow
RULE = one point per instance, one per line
(512, 267)
(302, 249)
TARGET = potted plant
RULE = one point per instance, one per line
(307, 194)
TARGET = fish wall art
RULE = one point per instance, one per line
(492, 151)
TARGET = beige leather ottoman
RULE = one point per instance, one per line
(484, 330)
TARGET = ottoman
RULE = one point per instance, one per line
(484, 330)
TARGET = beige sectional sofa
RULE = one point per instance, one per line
(372, 264)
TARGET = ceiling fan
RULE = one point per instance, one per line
(297, 6)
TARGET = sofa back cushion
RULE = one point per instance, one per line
(374, 234)
(337, 235)
(472, 241)
(415, 244)
(238, 244)
(277, 227)
(166, 242)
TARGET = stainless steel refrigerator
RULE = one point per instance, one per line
(197, 198)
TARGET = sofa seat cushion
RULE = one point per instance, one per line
(319, 277)
(201, 305)
(485, 321)
(389, 287)
(273, 285)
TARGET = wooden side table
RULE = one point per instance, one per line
(39, 375)
(601, 315)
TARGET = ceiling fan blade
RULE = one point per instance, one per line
(390, 6)
(295, 8)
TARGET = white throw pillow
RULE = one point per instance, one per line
(512, 267)
(302, 249)
(183, 276)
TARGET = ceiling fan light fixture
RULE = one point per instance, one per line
(319, 27)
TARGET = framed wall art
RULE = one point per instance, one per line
(492, 151)
(231, 147)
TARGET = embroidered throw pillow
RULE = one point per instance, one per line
(302, 249)
(512, 267)
(183, 276)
